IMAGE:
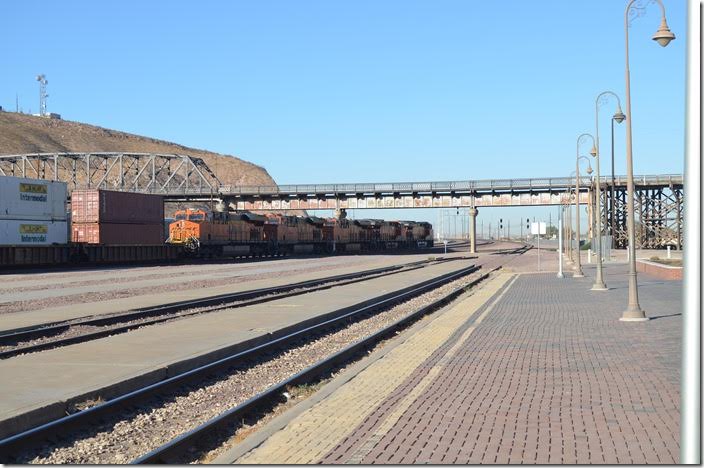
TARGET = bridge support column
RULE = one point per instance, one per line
(473, 229)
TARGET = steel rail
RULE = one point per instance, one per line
(11, 446)
(171, 311)
(169, 451)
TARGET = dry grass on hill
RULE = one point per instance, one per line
(22, 133)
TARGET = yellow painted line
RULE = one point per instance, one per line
(311, 435)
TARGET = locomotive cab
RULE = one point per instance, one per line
(186, 226)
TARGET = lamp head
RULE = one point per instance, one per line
(619, 116)
(593, 151)
(663, 36)
(589, 170)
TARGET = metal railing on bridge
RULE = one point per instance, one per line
(540, 184)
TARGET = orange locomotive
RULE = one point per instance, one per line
(218, 233)
(236, 234)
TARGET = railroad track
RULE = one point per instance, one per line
(88, 420)
(170, 452)
(48, 336)
(511, 251)
(12, 447)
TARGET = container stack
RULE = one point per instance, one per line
(32, 212)
(117, 218)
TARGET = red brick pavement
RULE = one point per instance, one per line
(550, 376)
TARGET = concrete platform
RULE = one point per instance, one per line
(38, 387)
(535, 370)
(22, 289)
(29, 318)
(233, 274)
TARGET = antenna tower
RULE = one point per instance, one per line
(42, 94)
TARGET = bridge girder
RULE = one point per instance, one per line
(123, 171)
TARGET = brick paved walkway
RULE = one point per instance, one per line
(547, 374)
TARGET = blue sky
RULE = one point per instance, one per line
(358, 91)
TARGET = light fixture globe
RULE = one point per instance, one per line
(589, 170)
(593, 151)
(619, 116)
(663, 36)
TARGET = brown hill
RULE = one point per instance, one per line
(22, 133)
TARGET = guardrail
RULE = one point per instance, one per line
(547, 184)
(553, 183)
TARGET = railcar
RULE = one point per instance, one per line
(418, 234)
(243, 233)
(293, 234)
(219, 233)
(343, 235)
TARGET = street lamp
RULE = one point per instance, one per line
(599, 284)
(634, 313)
(570, 257)
(568, 227)
(612, 199)
(578, 273)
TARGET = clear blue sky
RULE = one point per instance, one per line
(358, 91)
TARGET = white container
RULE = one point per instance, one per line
(42, 200)
(27, 232)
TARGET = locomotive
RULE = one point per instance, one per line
(214, 234)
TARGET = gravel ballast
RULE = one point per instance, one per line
(165, 417)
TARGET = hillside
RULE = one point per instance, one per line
(21, 133)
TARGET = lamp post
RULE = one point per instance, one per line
(570, 258)
(578, 273)
(559, 244)
(612, 199)
(633, 312)
(563, 245)
(599, 284)
(568, 225)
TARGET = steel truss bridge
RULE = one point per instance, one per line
(183, 178)
(134, 172)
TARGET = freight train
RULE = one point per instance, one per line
(103, 226)
(213, 234)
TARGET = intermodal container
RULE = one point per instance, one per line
(32, 232)
(117, 233)
(106, 206)
(37, 199)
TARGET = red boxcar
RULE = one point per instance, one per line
(105, 206)
(117, 234)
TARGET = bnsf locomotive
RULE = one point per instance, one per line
(244, 233)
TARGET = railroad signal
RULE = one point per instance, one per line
(527, 223)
